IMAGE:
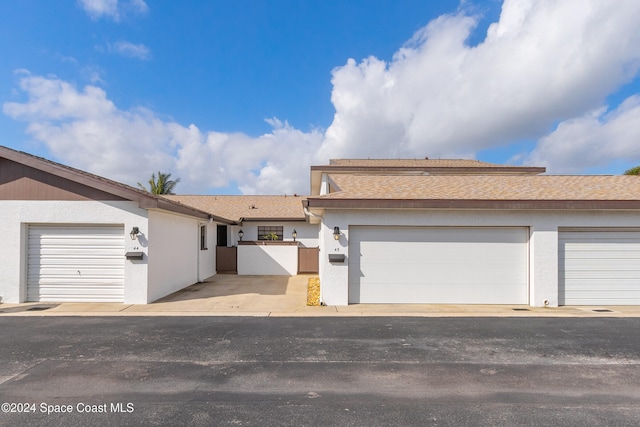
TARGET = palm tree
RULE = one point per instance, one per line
(633, 171)
(163, 185)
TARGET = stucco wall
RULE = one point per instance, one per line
(207, 258)
(543, 242)
(16, 215)
(271, 260)
(174, 246)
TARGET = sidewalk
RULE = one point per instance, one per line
(280, 296)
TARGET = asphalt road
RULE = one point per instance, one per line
(319, 371)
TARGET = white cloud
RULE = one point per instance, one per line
(131, 50)
(84, 129)
(112, 8)
(594, 140)
(543, 62)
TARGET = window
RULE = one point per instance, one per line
(203, 237)
(270, 232)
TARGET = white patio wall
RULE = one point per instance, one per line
(543, 242)
(267, 259)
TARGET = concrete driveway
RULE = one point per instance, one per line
(283, 296)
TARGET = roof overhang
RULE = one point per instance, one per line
(315, 204)
(272, 219)
(144, 199)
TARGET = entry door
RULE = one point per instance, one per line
(75, 263)
(447, 265)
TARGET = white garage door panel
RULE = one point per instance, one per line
(438, 265)
(76, 263)
(599, 267)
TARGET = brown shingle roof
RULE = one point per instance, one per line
(484, 187)
(248, 208)
(420, 163)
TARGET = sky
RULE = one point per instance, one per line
(241, 97)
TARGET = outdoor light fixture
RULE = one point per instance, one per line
(294, 234)
(134, 233)
(240, 234)
(336, 233)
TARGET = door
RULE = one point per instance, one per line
(469, 265)
(599, 267)
(75, 263)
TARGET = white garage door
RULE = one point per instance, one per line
(599, 267)
(75, 263)
(438, 265)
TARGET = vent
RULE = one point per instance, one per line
(602, 310)
(521, 309)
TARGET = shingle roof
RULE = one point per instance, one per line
(484, 187)
(420, 163)
(249, 207)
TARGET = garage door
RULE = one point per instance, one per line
(75, 263)
(599, 267)
(438, 265)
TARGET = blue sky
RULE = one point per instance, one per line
(243, 96)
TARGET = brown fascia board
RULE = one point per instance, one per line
(272, 219)
(472, 204)
(451, 170)
(145, 200)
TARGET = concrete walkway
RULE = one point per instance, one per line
(280, 296)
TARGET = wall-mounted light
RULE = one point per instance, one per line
(240, 234)
(336, 233)
(294, 234)
(134, 233)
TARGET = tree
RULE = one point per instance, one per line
(163, 185)
(633, 171)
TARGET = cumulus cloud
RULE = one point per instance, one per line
(593, 140)
(84, 129)
(542, 62)
(131, 50)
(111, 8)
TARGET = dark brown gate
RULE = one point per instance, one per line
(227, 260)
(308, 260)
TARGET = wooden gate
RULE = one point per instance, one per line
(227, 260)
(308, 260)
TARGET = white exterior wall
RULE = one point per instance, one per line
(543, 240)
(270, 260)
(17, 214)
(174, 253)
(207, 258)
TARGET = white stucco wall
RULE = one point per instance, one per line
(174, 253)
(16, 215)
(271, 260)
(543, 243)
(207, 258)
